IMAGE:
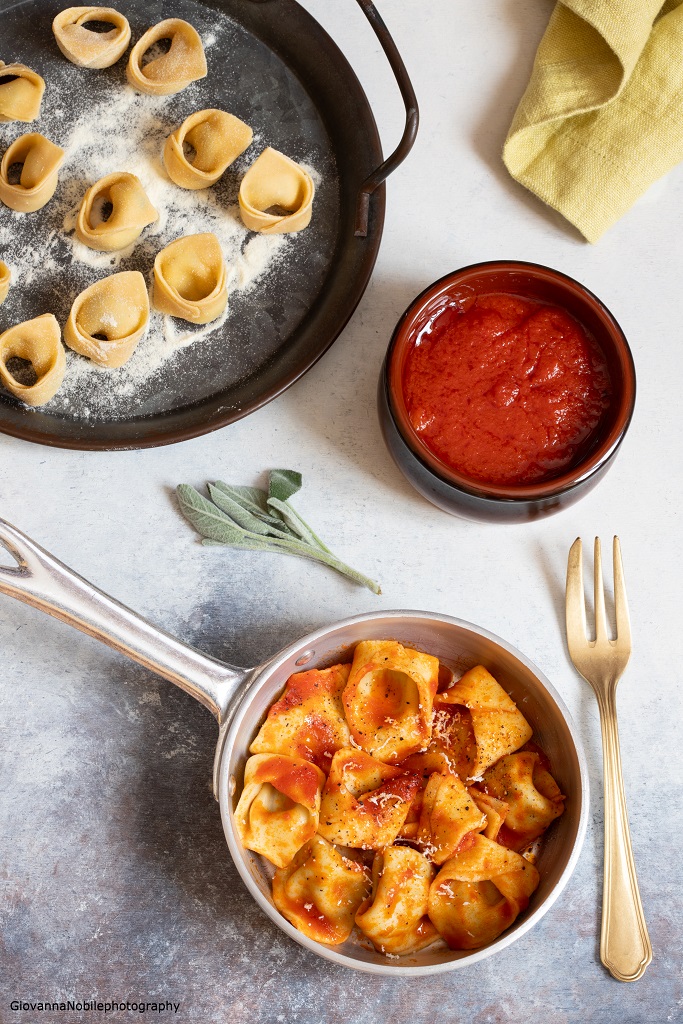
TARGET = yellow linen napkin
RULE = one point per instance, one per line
(602, 116)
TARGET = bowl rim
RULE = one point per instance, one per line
(542, 490)
(393, 969)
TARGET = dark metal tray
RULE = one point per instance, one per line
(275, 67)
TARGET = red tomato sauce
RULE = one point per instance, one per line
(507, 391)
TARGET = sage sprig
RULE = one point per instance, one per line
(258, 520)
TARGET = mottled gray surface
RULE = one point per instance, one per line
(114, 877)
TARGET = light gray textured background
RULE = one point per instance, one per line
(115, 881)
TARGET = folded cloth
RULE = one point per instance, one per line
(602, 116)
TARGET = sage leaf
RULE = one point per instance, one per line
(237, 513)
(207, 519)
(297, 524)
(236, 518)
(252, 499)
(283, 483)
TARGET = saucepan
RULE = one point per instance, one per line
(239, 699)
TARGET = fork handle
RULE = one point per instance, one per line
(625, 947)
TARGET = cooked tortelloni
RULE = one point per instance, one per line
(114, 212)
(452, 748)
(5, 281)
(395, 918)
(320, 890)
(532, 796)
(109, 318)
(495, 810)
(411, 826)
(39, 160)
(365, 802)
(190, 279)
(308, 719)
(279, 807)
(21, 93)
(171, 71)
(87, 48)
(449, 819)
(499, 726)
(276, 195)
(479, 893)
(39, 343)
(216, 139)
(388, 699)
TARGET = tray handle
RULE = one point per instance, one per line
(412, 118)
(407, 142)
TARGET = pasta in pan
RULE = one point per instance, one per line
(448, 829)
(395, 918)
(449, 817)
(308, 719)
(320, 890)
(532, 796)
(365, 802)
(479, 893)
(388, 699)
(279, 808)
(499, 726)
(21, 93)
(40, 161)
(87, 49)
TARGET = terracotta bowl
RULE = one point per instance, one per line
(473, 499)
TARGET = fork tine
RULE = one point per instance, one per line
(620, 602)
(575, 603)
(599, 594)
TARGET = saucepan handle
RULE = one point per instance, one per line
(412, 117)
(42, 581)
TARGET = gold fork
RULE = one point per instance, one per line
(625, 947)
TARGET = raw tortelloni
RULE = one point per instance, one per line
(479, 893)
(190, 279)
(279, 807)
(217, 139)
(21, 93)
(395, 918)
(450, 818)
(87, 48)
(109, 318)
(40, 161)
(276, 195)
(453, 747)
(173, 70)
(5, 281)
(320, 891)
(39, 343)
(123, 198)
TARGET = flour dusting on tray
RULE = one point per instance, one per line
(105, 126)
(126, 132)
